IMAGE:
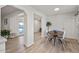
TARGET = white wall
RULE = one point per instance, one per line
(37, 25)
(66, 22)
(0, 16)
(77, 25)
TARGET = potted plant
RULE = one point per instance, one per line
(48, 24)
(5, 33)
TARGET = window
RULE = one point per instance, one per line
(21, 27)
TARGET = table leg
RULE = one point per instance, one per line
(54, 41)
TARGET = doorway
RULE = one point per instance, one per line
(37, 27)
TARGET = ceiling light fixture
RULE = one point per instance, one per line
(56, 9)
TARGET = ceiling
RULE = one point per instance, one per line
(8, 10)
(46, 9)
(49, 9)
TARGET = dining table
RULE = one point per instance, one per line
(55, 35)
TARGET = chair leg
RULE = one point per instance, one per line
(60, 41)
(50, 39)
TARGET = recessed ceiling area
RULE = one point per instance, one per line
(8, 9)
(50, 9)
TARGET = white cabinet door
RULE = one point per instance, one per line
(2, 47)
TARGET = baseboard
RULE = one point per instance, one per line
(28, 45)
(15, 36)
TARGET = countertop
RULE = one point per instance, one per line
(2, 39)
